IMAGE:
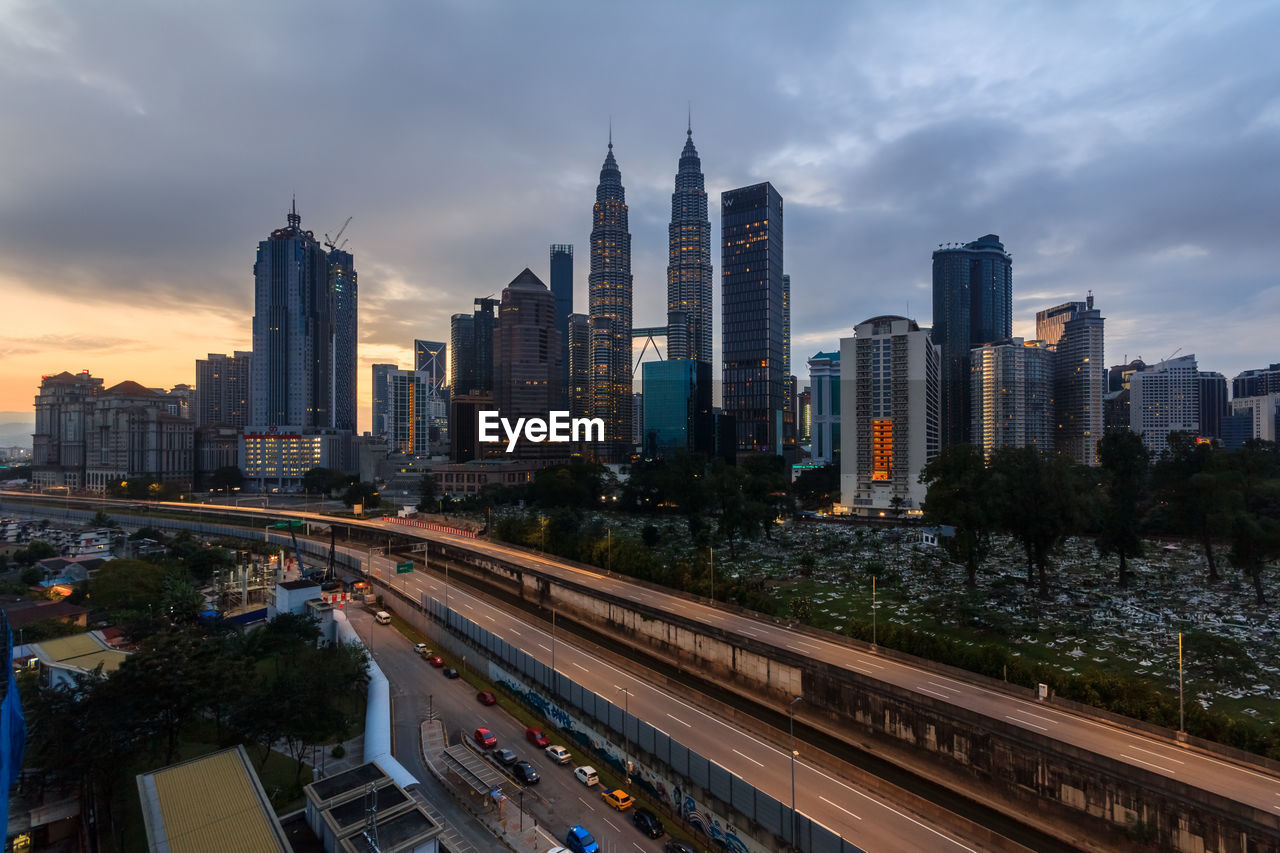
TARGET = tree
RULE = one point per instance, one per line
(1124, 465)
(101, 519)
(362, 493)
(1040, 503)
(962, 494)
(34, 553)
(226, 478)
(1253, 517)
(127, 585)
(426, 492)
(818, 487)
(1189, 483)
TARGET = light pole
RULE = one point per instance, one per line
(608, 548)
(873, 611)
(791, 712)
(713, 572)
(1182, 720)
(626, 757)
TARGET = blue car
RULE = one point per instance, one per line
(580, 841)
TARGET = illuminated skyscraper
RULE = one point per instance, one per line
(689, 262)
(609, 309)
(1011, 390)
(345, 293)
(1074, 332)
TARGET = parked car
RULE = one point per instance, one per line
(578, 840)
(450, 672)
(558, 754)
(436, 661)
(648, 823)
(587, 775)
(537, 738)
(484, 697)
(618, 799)
(484, 738)
(421, 649)
(525, 772)
(504, 756)
(677, 847)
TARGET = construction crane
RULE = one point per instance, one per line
(1170, 356)
(333, 244)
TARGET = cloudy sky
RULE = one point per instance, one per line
(1131, 149)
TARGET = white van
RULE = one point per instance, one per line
(382, 617)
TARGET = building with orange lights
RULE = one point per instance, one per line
(889, 412)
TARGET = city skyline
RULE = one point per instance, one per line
(882, 150)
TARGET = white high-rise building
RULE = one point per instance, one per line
(890, 416)
(1262, 410)
(1011, 393)
(1165, 398)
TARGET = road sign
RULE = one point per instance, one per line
(403, 568)
(419, 549)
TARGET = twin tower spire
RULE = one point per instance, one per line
(610, 290)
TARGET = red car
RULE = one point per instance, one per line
(436, 661)
(486, 698)
(537, 738)
(484, 738)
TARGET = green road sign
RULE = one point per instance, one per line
(402, 568)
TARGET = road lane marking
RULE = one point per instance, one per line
(1025, 723)
(1149, 764)
(638, 847)
(1037, 716)
(585, 803)
(931, 692)
(749, 631)
(840, 807)
(810, 645)
(749, 758)
(1157, 755)
(860, 669)
(545, 647)
(580, 666)
(490, 618)
(944, 687)
(680, 721)
(885, 805)
(514, 631)
(615, 829)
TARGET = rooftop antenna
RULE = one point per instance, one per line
(610, 131)
(690, 130)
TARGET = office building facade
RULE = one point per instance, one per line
(677, 407)
(1073, 331)
(381, 388)
(132, 435)
(823, 424)
(579, 365)
(63, 408)
(609, 291)
(1214, 405)
(562, 290)
(527, 359)
(753, 327)
(689, 311)
(890, 414)
(1012, 405)
(1163, 398)
(972, 305)
(222, 389)
(1256, 382)
(345, 293)
(471, 348)
(1260, 413)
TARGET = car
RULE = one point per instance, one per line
(525, 772)
(648, 823)
(558, 754)
(537, 738)
(421, 649)
(484, 738)
(578, 840)
(450, 672)
(618, 799)
(436, 661)
(484, 697)
(504, 756)
(677, 847)
(586, 774)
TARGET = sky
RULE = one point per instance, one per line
(1126, 148)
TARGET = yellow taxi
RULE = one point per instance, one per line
(618, 798)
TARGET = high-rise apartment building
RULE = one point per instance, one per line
(344, 291)
(382, 399)
(132, 435)
(562, 289)
(579, 365)
(63, 409)
(753, 327)
(689, 332)
(1012, 405)
(527, 358)
(1256, 382)
(294, 329)
(1260, 414)
(471, 346)
(222, 389)
(790, 386)
(1213, 403)
(609, 307)
(972, 305)
(1074, 332)
(1163, 398)
(804, 413)
(891, 418)
(824, 408)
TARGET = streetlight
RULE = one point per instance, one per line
(713, 573)
(608, 548)
(873, 611)
(1182, 720)
(791, 712)
(553, 649)
(626, 758)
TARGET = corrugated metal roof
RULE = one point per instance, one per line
(65, 648)
(210, 803)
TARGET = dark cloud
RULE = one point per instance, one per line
(1130, 151)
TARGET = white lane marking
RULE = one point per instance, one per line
(1277, 808)
(514, 631)
(810, 645)
(548, 648)
(1023, 722)
(1157, 755)
(585, 803)
(638, 847)
(1037, 716)
(468, 606)
(615, 829)
(860, 669)
(1149, 764)
(490, 618)
(840, 807)
(749, 758)
(944, 687)
(749, 631)
(680, 721)
(580, 666)
(885, 805)
(796, 648)
(932, 692)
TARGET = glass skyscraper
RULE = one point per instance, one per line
(972, 305)
(753, 309)
(562, 290)
(609, 309)
(344, 286)
(689, 262)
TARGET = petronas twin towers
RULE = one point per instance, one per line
(689, 331)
